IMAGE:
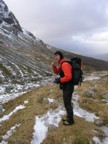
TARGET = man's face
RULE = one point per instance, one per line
(57, 57)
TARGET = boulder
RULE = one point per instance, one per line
(105, 95)
(94, 89)
(89, 93)
(98, 122)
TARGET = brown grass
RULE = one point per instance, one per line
(80, 133)
(26, 117)
(95, 103)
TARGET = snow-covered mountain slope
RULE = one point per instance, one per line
(18, 72)
(23, 58)
(12, 34)
(10, 30)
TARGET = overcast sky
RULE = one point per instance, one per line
(76, 25)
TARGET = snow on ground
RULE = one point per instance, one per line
(105, 140)
(7, 97)
(51, 118)
(43, 123)
(26, 102)
(9, 132)
(16, 90)
(49, 100)
(2, 90)
(90, 78)
(12, 129)
(98, 141)
(81, 112)
(6, 117)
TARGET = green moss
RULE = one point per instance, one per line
(5, 70)
(81, 140)
(29, 69)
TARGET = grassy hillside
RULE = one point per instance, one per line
(80, 133)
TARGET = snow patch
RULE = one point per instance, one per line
(6, 117)
(90, 78)
(81, 112)
(9, 133)
(26, 102)
(50, 100)
(52, 117)
(6, 97)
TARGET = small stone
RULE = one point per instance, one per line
(89, 93)
(94, 89)
(98, 123)
(105, 96)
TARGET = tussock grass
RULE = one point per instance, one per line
(95, 103)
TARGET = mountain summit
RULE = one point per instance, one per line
(12, 34)
(8, 22)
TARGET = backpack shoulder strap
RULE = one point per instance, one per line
(69, 62)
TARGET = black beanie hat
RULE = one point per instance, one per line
(60, 54)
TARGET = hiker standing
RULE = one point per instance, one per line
(64, 70)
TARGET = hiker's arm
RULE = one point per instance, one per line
(67, 70)
(55, 68)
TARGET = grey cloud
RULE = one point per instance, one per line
(55, 22)
(71, 16)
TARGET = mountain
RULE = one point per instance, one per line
(89, 63)
(11, 32)
(102, 56)
(20, 51)
(24, 59)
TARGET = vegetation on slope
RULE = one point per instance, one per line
(81, 132)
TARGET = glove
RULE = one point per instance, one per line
(57, 80)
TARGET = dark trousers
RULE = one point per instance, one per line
(67, 97)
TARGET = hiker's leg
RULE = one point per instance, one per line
(67, 96)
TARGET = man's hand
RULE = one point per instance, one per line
(53, 63)
(57, 80)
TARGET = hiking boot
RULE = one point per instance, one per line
(67, 122)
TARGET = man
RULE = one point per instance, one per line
(64, 70)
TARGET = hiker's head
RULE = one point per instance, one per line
(58, 55)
